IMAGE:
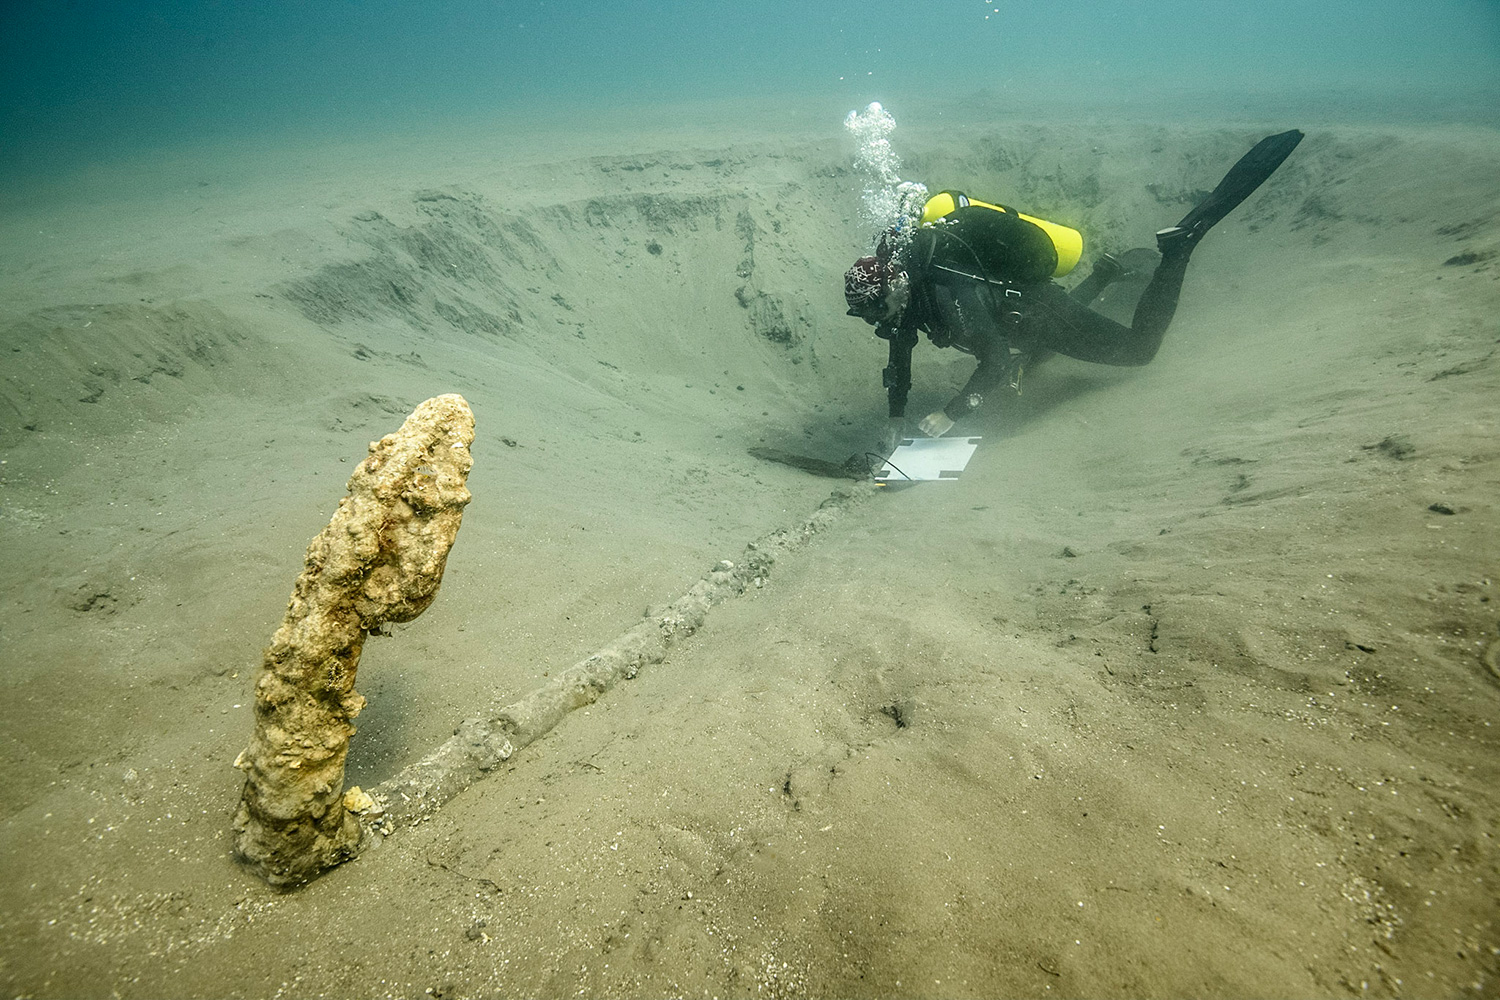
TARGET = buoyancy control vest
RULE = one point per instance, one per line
(1014, 247)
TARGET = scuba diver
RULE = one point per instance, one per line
(977, 277)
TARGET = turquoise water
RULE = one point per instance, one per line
(83, 80)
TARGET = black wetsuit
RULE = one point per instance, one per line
(975, 286)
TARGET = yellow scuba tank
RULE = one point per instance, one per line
(1067, 242)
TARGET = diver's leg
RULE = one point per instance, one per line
(1065, 325)
(1158, 304)
(1107, 269)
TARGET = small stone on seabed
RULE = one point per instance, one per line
(357, 800)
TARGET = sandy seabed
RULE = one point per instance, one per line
(1188, 687)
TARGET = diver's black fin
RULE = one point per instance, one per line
(1241, 181)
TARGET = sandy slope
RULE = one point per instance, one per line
(1181, 690)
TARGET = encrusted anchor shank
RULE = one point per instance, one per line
(380, 559)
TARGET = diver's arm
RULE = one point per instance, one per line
(897, 373)
(993, 362)
(990, 373)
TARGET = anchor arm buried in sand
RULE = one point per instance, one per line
(380, 559)
(484, 740)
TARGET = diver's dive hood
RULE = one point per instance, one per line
(1066, 243)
